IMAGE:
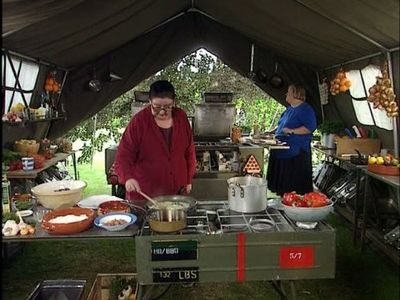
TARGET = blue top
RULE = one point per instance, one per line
(294, 117)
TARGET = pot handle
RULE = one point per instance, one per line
(241, 190)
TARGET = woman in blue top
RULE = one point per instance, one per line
(291, 169)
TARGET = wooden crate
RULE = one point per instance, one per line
(365, 146)
(100, 288)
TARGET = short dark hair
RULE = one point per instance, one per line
(162, 89)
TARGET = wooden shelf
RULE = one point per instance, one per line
(21, 174)
(25, 122)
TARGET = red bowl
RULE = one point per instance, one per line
(68, 228)
(113, 206)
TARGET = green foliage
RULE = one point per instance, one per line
(328, 127)
(196, 73)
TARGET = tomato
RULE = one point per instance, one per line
(290, 198)
(316, 199)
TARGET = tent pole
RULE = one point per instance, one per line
(322, 106)
(395, 129)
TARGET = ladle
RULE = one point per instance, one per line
(150, 199)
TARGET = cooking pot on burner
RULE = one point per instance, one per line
(247, 194)
(167, 219)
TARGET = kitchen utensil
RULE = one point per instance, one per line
(307, 214)
(167, 220)
(59, 194)
(261, 225)
(247, 194)
(94, 84)
(68, 228)
(276, 80)
(101, 221)
(262, 75)
(113, 206)
(150, 199)
(360, 159)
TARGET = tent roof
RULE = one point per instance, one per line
(140, 37)
(71, 33)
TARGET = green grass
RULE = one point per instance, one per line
(359, 275)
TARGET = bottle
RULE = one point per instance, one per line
(6, 203)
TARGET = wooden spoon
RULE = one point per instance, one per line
(150, 199)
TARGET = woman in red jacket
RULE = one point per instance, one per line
(156, 154)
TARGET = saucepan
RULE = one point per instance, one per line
(171, 213)
(361, 159)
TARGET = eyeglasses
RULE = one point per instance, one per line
(159, 108)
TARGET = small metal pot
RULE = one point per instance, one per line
(247, 194)
(167, 220)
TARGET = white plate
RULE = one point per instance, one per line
(94, 201)
(25, 213)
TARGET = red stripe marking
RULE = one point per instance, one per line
(241, 257)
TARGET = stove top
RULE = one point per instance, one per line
(215, 217)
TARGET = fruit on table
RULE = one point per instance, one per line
(312, 199)
(290, 198)
(316, 199)
(387, 160)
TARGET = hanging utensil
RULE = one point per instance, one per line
(276, 80)
(94, 84)
(251, 74)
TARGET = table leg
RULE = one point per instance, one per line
(355, 216)
(364, 224)
(74, 164)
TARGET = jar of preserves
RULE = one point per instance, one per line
(236, 134)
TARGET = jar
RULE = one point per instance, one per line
(236, 134)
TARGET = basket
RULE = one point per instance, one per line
(365, 146)
(101, 287)
(27, 149)
(384, 170)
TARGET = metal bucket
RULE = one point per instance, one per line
(247, 194)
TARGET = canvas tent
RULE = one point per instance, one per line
(136, 38)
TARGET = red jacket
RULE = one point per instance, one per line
(144, 155)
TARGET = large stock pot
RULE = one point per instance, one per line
(247, 194)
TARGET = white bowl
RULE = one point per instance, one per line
(59, 194)
(101, 220)
(307, 214)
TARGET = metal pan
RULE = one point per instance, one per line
(167, 220)
(186, 202)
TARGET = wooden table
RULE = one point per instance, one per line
(21, 174)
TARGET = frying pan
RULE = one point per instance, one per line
(276, 80)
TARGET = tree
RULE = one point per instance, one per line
(197, 72)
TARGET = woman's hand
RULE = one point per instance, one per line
(131, 185)
(287, 130)
(188, 188)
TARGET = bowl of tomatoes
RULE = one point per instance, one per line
(310, 207)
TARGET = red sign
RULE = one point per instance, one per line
(296, 257)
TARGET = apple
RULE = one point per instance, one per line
(380, 160)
